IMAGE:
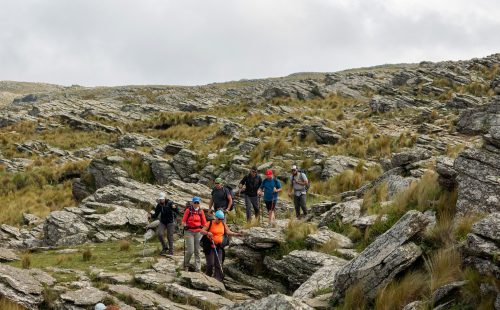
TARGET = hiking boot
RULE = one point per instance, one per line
(170, 253)
(164, 252)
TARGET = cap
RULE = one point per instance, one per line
(269, 172)
(294, 167)
(162, 196)
(254, 168)
(100, 306)
(218, 181)
(219, 214)
(196, 199)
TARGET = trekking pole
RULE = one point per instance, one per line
(184, 250)
(217, 255)
(261, 211)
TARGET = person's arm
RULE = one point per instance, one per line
(232, 233)
(290, 191)
(261, 187)
(157, 212)
(242, 182)
(185, 217)
(204, 231)
(230, 201)
(210, 205)
(277, 188)
(304, 180)
(203, 219)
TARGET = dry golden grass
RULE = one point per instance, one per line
(463, 225)
(444, 266)
(6, 304)
(347, 180)
(124, 245)
(26, 260)
(298, 230)
(374, 196)
(354, 298)
(397, 294)
(453, 150)
(329, 247)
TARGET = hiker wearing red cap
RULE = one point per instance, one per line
(270, 187)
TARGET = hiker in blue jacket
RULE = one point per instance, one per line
(270, 188)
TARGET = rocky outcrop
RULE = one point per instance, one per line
(84, 297)
(409, 156)
(198, 298)
(133, 140)
(276, 301)
(21, 287)
(346, 212)
(447, 174)
(482, 245)
(297, 266)
(325, 235)
(82, 124)
(337, 164)
(321, 134)
(478, 177)
(7, 255)
(64, 228)
(382, 260)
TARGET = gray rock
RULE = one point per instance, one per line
(408, 156)
(479, 120)
(264, 285)
(134, 140)
(197, 298)
(446, 292)
(7, 255)
(297, 266)
(482, 247)
(86, 125)
(147, 299)
(121, 216)
(174, 147)
(31, 219)
(276, 301)
(184, 163)
(447, 174)
(488, 227)
(154, 279)
(64, 228)
(321, 134)
(382, 260)
(337, 164)
(397, 184)
(478, 179)
(84, 297)
(201, 281)
(463, 101)
(115, 278)
(347, 212)
(321, 279)
(263, 238)
(325, 235)
(105, 174)
(19, 286)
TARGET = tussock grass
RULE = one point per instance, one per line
(354, 298)
(87, 254)
(124, 245)
(296, 232)
(330, 247)
(347, 180)
(463, 225)
(453, 150)
(138, 169)
(397, 294)
(473, 295)
(444, 266)
(6, 304)
(26, 261)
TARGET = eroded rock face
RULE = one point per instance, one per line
(324, 235)
(64, 228)
(198, 298)
(347, 212)
(84, 297)
(276, 301)
(20, 286)
(321, 134)
(261, 238)
(382, 260)
(297, 266)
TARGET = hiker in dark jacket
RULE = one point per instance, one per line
(168, 212)
(193, 221)
(221, 197)
(250, 184)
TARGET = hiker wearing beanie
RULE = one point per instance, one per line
(221, 198)
(270, 188)
(193, 221)
(250, 185)
(168, 212)
(217, 233)
(298, 189)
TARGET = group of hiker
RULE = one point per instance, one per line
(212, 235)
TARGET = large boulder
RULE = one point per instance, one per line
(447, 174)
(320, 133)
(297, 266)
(478, 179)
(484, 239)
(321, 279)
(276, 301)
(105, 174)
(337, 164)
(383, 259)
(184, 163)
(347, 212)
(263, 238)
(64, 228)
(20, 286)
(479, 120)
(84, 297)
(407, 156)
(325, 235)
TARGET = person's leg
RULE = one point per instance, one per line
(188, 236)
(196, 241)
(296, 204)
(248, 208)
(303, 204)
(255, 203)
(159, 231)
(218, 264)
(210, 263)
(170, 237)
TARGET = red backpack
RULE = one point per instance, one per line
(194, 218)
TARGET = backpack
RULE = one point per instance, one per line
(302, 176)
(191, 211)
(206, 244)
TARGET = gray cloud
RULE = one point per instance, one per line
(117, 42)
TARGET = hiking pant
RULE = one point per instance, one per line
(192, 240)
(213, 262)
(249, 203)
(170, 228)
(300, 203)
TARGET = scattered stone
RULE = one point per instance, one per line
(201, 281)
(276, 301)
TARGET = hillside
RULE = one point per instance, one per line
(404, 207)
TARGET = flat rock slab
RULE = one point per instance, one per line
(7, 255)
(154, 278)
(147, 299)
(202, 299)
(263, 238)
(84, 297)
(115, 277)
(20, 280)
(325, 235)
(276, 301)
(201, 281)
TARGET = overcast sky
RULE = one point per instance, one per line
(188, 42)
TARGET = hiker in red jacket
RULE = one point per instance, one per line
(193, 221)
